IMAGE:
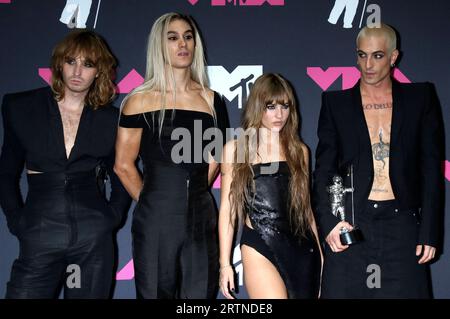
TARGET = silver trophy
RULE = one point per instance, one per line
(337, 193)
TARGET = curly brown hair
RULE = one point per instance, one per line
(266, 89)
(93, 48)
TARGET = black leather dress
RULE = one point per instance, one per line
(175, 247)
(296, 259)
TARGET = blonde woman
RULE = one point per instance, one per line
(174, 223)
(265, 185)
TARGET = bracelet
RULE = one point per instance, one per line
(223, 267)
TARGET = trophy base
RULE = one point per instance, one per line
(351, 237)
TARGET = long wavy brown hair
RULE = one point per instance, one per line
(95, 50)
(267, 89)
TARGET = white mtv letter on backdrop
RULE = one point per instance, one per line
(235, 84)
(76, 13)
(349, 6)
(237, 263)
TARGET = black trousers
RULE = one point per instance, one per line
(175, 247)
(385, 264)
(65, 233)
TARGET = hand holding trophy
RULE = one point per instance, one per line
(337, 193)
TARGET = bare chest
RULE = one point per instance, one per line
(379, 119)
(70, 121)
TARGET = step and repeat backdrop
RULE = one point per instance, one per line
(311, 43)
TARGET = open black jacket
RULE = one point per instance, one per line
(415, 161)
(34, 138)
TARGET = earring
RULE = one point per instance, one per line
(392, 65)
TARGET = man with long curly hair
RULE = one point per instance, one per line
(64, 135)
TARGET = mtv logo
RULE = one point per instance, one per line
(350, 76)
(347, 6)
(237, 263)
(76, 13)
(45, 74)
(235, 84)
(247, 2)
(127, 272)
(132, 80)
(447, 170)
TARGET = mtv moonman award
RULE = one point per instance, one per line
(337, 200)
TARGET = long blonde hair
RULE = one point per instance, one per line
(266, 89)
(156, 76)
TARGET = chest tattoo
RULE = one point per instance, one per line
(380, 150)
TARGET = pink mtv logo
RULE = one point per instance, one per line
(350, 75)
(242, 2)
(45, 74)
(127, 272)
(447, 170)
(5, 1)
(216, 183)
(248, 2)
(132, 80)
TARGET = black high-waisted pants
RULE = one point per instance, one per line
(65, 231)
(175, 246)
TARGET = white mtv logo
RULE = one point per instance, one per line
(350, 7)
(76, 13)
(237, 263)
(235, 84)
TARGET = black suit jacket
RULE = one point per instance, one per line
(416, 154)
(34, 138)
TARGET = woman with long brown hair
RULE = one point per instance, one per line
(265, 185)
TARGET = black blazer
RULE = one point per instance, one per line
(34, 137)
(416, 154)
